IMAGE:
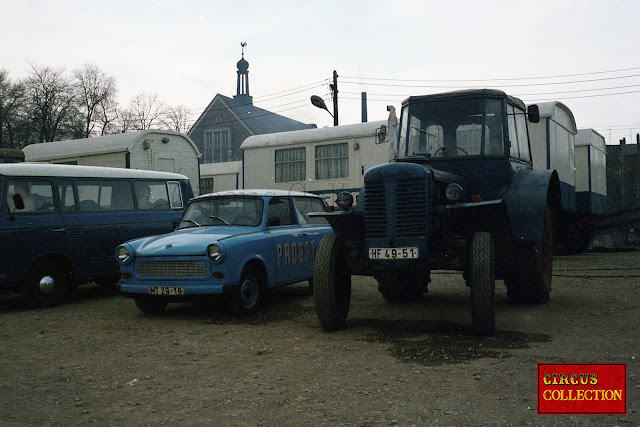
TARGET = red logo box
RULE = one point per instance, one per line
(593, 389)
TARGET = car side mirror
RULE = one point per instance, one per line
(533, 113)
(18, 202)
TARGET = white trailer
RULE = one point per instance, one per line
(591, 176)
(155, 150)
(323, 161)
(552, 147)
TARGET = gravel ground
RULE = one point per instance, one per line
(98, 360)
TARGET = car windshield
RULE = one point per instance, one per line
(223, 211)
(452, 128)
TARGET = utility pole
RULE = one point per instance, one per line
(334, 93)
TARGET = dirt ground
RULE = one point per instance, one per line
(98, 360)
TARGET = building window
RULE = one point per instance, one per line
(216, 146)
(332, 161)
(206, 185)
(291, 165)
(208, 144)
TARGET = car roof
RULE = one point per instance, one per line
(259, 193)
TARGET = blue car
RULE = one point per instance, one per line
(234, 243)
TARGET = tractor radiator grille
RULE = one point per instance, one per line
(411, 208)
(375, 207)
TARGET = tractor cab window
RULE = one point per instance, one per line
(445, 128)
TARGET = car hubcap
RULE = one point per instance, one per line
(249, 293)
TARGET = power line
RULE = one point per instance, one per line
(498, 79)
(490, 86)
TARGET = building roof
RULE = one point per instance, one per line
(590, 137)
(256, 120)
(552, 109)
(308, 135)
(115, 143)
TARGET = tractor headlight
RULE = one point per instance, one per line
(344, 200)
(214, 252)
(123, 255)
(453, 192)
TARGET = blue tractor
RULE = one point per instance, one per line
(459, 193)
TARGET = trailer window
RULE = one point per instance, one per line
(291, 165)
(332, 161)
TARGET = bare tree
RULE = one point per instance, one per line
(108, 115)
(11, 104)
(177, 119)
(95, 90)
(146, 111)
(51, 105)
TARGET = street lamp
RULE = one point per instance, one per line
(319, 102)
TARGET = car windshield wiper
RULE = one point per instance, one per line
(220, 219)
(191, 221)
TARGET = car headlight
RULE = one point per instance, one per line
(123, 255)
(214, 252)
(453, 192)
(345, 200)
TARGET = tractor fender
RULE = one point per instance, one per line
(526, 197)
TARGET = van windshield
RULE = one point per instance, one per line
(452, 128)
(225, 211)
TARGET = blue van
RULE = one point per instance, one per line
(60, 224)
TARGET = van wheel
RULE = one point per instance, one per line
(46, 284)
(150, 305)
(532, 282)
(332, 284)
(246, 299)
(481, 281)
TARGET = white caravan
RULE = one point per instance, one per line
(323, 161)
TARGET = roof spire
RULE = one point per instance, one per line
(243, 77)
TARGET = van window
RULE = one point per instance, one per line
(175, 194)
(100, 196)
(66, 196)
(151, 195)
(36, 196)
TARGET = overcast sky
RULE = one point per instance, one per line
(186, 51)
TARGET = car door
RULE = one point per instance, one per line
(313, 228)
(288, 240)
